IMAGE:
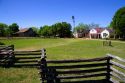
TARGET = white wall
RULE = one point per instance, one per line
(92, 31)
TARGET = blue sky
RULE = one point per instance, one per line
(27, 13)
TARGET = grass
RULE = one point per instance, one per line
(56, 49)
(19, 75)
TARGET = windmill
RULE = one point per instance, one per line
(73, 19)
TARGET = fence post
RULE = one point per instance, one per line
(108, 69)
(43, 65)
(43, 69)
(12, 56)
(43, 53)
(57, 80)
(12, 47)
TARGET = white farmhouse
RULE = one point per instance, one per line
(100, 33)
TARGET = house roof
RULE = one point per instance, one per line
(23, 30)
(99, 30)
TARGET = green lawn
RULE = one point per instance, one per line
(69, 48)
(56, 49)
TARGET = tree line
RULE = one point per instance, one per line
(60, 29)
(8, 30)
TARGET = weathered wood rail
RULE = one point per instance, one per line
(27, 58)
(75, 71)
(11, 58)
(6, 55)
(94, 70)
(118, 69)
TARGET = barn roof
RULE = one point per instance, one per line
(23, 30)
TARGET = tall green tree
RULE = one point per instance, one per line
(109, 26)
(60, 29)
(3, 29)
(54, 30)
(118, 22)
(36, 30)
(63, 29)
(13, 28)
(44, 31)
(81, 27)
(66, 29)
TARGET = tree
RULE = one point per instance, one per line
(44, 31)
(40, 30)
(36, 30)
(66, 29)
(81, 27)
(118, 22)
(109, 26)
(3, 29)
(93, 25)
(13, 28)
(60, 29)
(54, 30)
(63, 29)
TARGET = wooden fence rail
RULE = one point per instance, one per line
(118, 69)
(11, 58)
(27, 58)
(78, 60)
(6, 55)
(66, 71)
(81, 70)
